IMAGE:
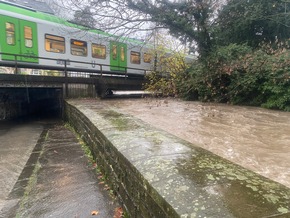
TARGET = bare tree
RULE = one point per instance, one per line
(188, 20)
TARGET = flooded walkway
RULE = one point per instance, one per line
(17, 140)
(255, 138)
(59, 182)
(66, 184)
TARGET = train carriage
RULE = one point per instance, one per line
(28, 34)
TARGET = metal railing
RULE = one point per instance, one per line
(66, 71)
(65, 66)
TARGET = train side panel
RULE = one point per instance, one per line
(19, 37)
(62, 43)
(98, 50)
(25, 33)
(139, 57)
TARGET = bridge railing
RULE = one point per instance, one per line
(64, 65)
(100, 74)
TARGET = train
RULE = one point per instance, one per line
(35, 39)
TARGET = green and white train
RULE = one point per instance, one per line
(30, 34)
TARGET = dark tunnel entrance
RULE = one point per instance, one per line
(30, 102)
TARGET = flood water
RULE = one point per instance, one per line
(17, 140)
(255, 138)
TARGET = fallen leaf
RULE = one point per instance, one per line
(101, 183)
(94, 166)
(106, 187)
(94, 212)
(118, 212)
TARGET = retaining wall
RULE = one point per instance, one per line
(155, 174)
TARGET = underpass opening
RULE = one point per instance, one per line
(30, 102)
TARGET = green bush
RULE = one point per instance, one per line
(168, 73)
(235, 74)
(210, 79)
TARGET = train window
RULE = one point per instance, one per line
(122, 53)
(147, 58)
(114, 52)
(28, 36)
(78, 48)
(135, 57)
(54, 43)
(10, 33)
(99, 51)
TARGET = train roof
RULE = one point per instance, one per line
(31, 4)
(31, 12)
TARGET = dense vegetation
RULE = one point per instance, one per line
(243, 55)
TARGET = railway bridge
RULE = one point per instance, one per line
(63, 75)
(27, 88)
(74, 84)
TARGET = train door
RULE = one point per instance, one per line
(28, 39)
(18, 37)
(118, 56)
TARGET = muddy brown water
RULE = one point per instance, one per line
(255, 138)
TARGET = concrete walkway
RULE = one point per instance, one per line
(62, 183)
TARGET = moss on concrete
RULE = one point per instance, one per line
(159, 175)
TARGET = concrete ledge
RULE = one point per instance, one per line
(156, 174)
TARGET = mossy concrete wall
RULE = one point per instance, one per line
(156, 174)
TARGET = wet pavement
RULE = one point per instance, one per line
(61, 180)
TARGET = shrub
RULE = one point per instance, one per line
(163, 81)
(235, 74)
(232, 74)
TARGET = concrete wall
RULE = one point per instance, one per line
(129, 185)
(81, 91)
(155, 174)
